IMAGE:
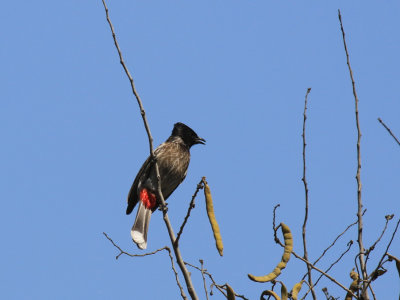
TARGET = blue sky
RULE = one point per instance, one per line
(234, 71)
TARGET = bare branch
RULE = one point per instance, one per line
(370, 249)
(277, 240)
(221, 288)
(151, 253)
(349, 244)
(200, 185)
(128, 74)
(273, 221)
(358, 175)
(160, 196)
(304, 179)
(385, 253)
(204, 278)
(323, 273)
(372, 292)
(129, 254)
(328, 297)
(388, 129)
(176, 273)
(333, 243)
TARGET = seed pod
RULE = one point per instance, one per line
(230, 292)
(211, 217)
(391, 257)
(288, 239)
(296, 289)
(269, 293)
(284, 293)
(354, 285)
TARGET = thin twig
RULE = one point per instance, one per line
(176, 273)
(273, 218)
(139, 101)
(385, 253)
(277, 240)
(333, 243)
(356, 264)
(129, 254)
(221, 288)
(372, 292)
(370, 249)
(151, 253)
(326, 293)
(160, 196)
(388, 129)
(204, 278)
(325, 290)
(323, 273)
(200, 185)
(358, 175)
(349, 244)
(304, 179)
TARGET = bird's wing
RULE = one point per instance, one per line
(133, 195)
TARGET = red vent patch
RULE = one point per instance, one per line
(148, 199)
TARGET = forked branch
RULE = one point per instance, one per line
(151, 253)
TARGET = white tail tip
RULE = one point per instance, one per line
(138, 238)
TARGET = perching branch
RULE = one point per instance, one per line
(388, 129)
(358, 175)
(151, 253)
(304, 179)
(160, 196)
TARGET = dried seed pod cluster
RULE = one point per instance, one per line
(288, 239)
(284, 294)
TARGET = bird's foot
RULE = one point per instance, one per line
(163, 208)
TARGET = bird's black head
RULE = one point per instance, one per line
(187, 134)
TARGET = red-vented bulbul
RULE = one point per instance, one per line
(173, 157)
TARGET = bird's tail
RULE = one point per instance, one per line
(141, 226)
(139, 229)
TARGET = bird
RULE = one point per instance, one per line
(172, 157)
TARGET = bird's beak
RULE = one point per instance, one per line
(199, 140)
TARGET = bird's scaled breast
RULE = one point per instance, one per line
(173, 160)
